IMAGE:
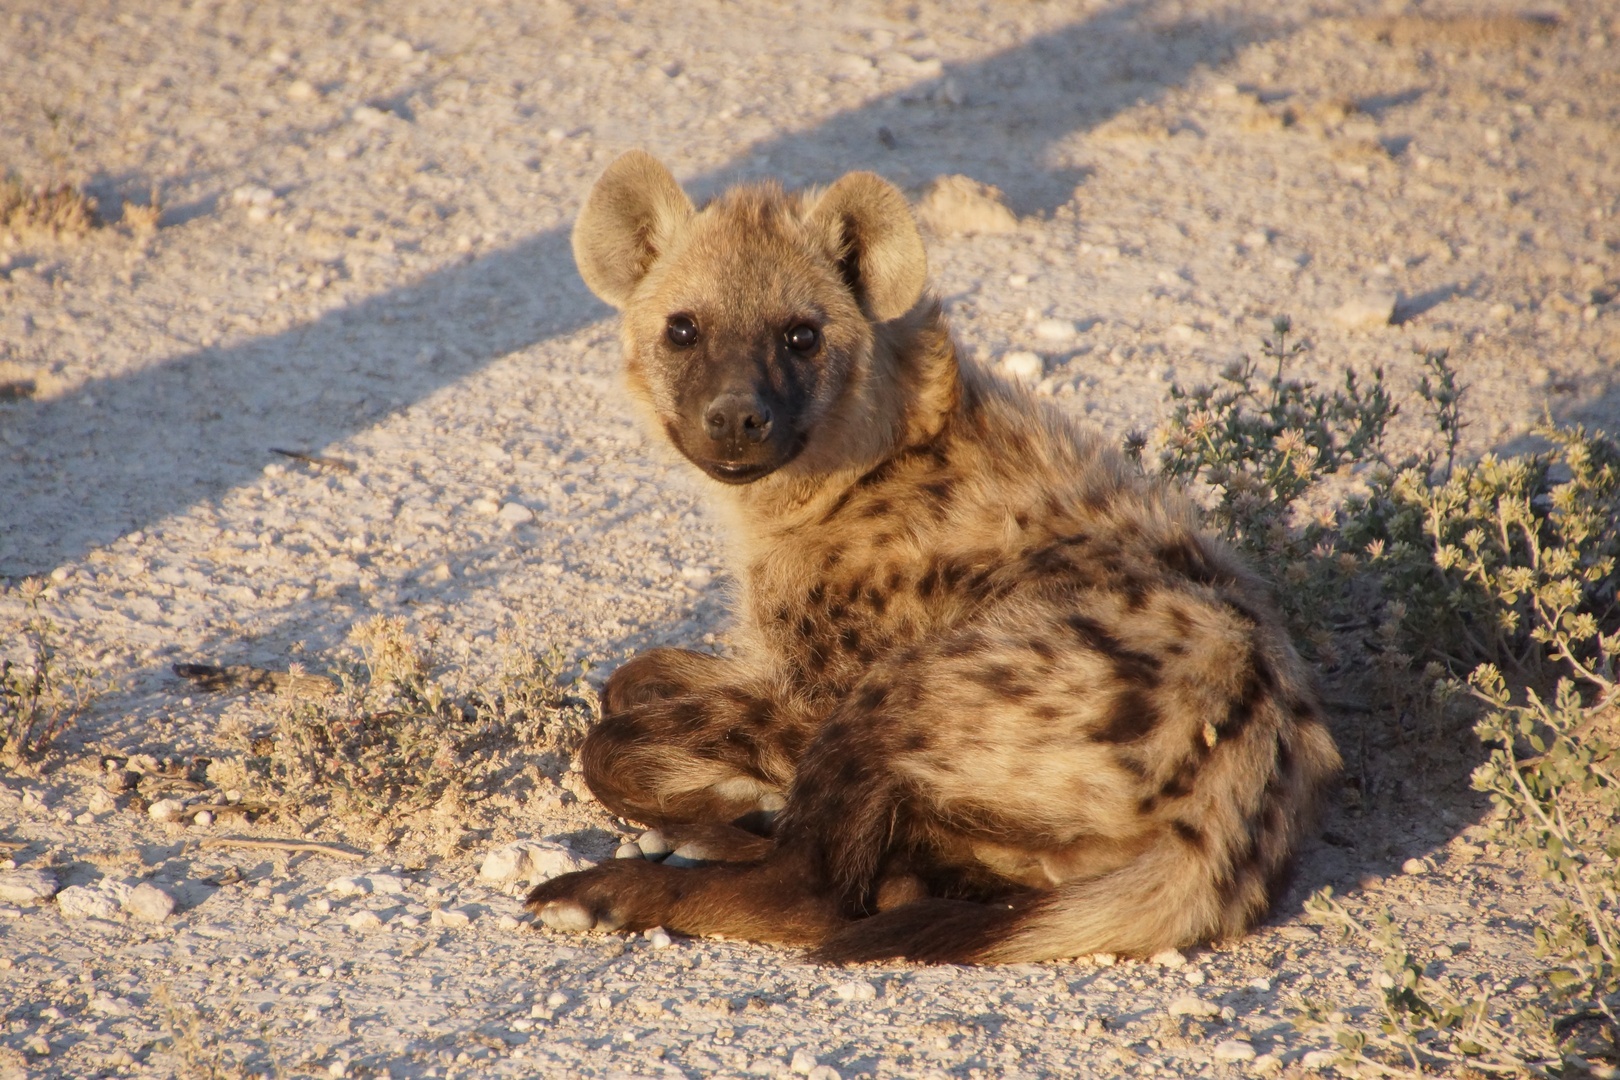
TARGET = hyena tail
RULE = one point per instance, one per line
(1146, 907)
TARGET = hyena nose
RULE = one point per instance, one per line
(735, 417)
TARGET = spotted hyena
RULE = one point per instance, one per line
(995, 696)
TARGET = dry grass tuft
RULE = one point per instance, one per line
(1457, 32)
(143, 219)
(59, 211)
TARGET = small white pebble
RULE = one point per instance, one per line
(856, 990)
(803, 1061)
(627, 851)
(1170, 958)
(363, 920)
(149, 903)
(1194, 976)
(324, 906)
(1319, 1059)
(166, 809)
(1022, 365)
(824, 1072)
(1055, 330)
(659, 937)
(1266, 1064)
(508, 922)
(556, 999)
(1262, 985)
(1414, 866)
(204, 818)
(1234, 1050)
(1191, 1005)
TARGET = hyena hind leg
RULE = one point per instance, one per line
(688, 738)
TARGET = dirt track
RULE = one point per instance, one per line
(363, 256)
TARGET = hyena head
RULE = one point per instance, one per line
(749, 322)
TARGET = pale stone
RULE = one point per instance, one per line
(1022, 366)
(27, 886)
(1170, 958)
(1234, 1050)
(78, 902)
(531, 861)
(1055, 330)
(149, 903)
(1319, 1059)
(1192, 1005)
(450, 917)
(1365, 312)
(856, 990)
(166, 809)
(514, 514)
(349, 886)
(1414, 867)
(363, 920)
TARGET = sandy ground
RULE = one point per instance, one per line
(363, 255)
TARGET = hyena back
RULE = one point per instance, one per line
(998, 698)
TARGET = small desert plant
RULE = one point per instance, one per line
(42, 695)
(395, 737)
(59, 210)
(1263, 452)
(1490, 584)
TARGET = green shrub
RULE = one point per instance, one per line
(1491, 586)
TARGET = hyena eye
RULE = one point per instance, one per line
(681, 331)
(803, 338)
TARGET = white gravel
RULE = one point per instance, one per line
(363, 256)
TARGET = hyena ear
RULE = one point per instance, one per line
(869, 224)
(632, 213)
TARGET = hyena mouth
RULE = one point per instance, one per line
(737, 474)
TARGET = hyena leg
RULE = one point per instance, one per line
(687, 738)
(786, 897)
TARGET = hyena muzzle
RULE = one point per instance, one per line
(995, 697)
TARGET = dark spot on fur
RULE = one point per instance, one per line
(965, 645)
(1021, 520)
(871, 698)
(1131, 666)
(882, 539)
(876, 508)
(1042, 648)
(1002, 679)
(1180, 782)
(916, 742)
(1131, 765)
(817, 594)
(895, 578)
(850, 639)
(879, 603)
(1190, 835)
(837, 612)
(1187, 558)
(940, 492)
(1256, 686)
(783, 613)
(1048, 713)
(1131, 716)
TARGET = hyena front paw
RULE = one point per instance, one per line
(622, 895)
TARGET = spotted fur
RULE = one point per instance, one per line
(995, 697)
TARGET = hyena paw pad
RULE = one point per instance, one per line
(573, 917)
